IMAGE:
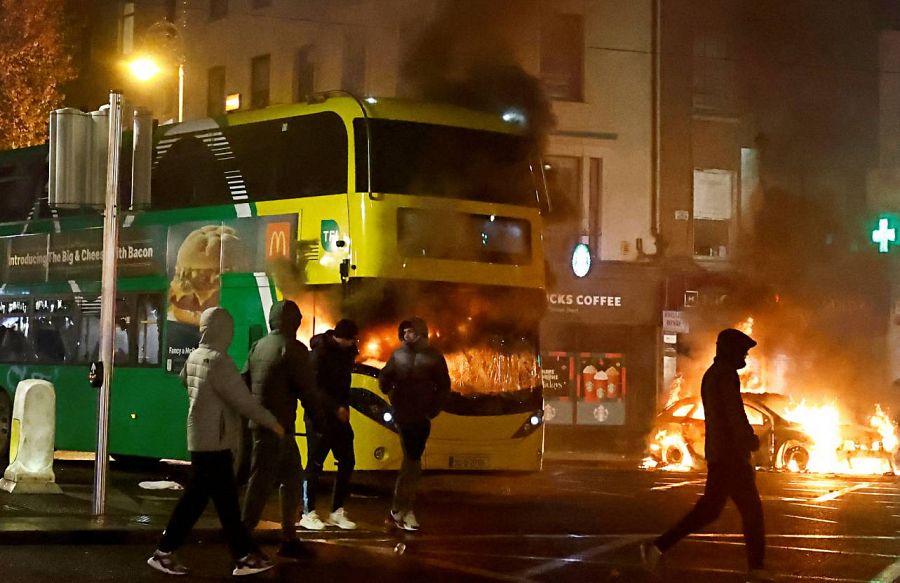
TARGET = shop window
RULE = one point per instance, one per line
(126, 29)
(259, 81)
(713, 74)
(713, 212)
(584, 388)
(215, 91)
(563, 175)
(304, 73)
(562, 56)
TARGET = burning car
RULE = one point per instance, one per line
(794, 437)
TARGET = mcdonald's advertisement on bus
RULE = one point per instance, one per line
(199, 252)
(78, 255)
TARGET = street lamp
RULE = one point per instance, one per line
(145, 68)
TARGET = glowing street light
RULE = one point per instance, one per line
(144, 68)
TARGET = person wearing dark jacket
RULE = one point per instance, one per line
(730, 441)
(218, 399)
(333, 355)
(279, 373)
(418, 383)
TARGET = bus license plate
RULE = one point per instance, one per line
(469, 462)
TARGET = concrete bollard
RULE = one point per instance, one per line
(30, 470)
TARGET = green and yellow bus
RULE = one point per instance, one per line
(371, 209)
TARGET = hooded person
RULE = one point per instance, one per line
(279, 373)
(730, 441)
(333, 356)
(417, 382)
(218, 400)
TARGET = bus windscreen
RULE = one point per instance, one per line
(451, 162)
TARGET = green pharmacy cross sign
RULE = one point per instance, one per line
(884, 234)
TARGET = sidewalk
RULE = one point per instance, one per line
(133, 514)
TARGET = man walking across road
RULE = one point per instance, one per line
(418, 383)
(279, 374)
(333, 355)
(729, 442)
(218, 399)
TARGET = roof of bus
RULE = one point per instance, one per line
(381, 108)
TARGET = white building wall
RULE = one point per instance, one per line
(613, 123)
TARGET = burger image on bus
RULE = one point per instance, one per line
(203, 255)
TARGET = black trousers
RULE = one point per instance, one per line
(212, 476)
(337, 439)
(413, 437)
(735, 480)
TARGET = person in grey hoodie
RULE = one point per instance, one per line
(218, 400)
(418, 383)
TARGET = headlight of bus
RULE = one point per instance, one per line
(531, 424)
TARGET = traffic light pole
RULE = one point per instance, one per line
(108, 300)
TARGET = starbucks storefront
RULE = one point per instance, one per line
(599, 357)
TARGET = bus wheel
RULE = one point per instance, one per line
(5, 424)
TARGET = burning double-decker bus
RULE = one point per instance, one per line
(796, 434)
(377, 210)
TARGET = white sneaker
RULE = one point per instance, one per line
(650, 555)
(311, 521)
(410, 522)
(339, 519)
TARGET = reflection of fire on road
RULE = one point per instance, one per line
(825, 440)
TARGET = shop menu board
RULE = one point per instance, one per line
(584, 388)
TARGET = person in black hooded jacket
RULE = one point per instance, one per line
(730, 441)
(418, 383)
(333, 355)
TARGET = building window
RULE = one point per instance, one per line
(713, 75)
(126, 29)
(259, 81)
(562, 56)
(304, 73)
(218, 9)
(563, 174)
(713, 212)
(215, 95)
(353, 75)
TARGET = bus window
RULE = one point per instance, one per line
(89, 333)
(149, 307)
(437, 160)
(54, 331)
(14, 325)
(297, 157)
(188, 174)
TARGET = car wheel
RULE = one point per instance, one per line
(793, 456)
(5, 425)
(674, 454)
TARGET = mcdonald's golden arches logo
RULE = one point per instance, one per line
(278, 242)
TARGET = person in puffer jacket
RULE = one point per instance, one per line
(418, 383)
(218, 400)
